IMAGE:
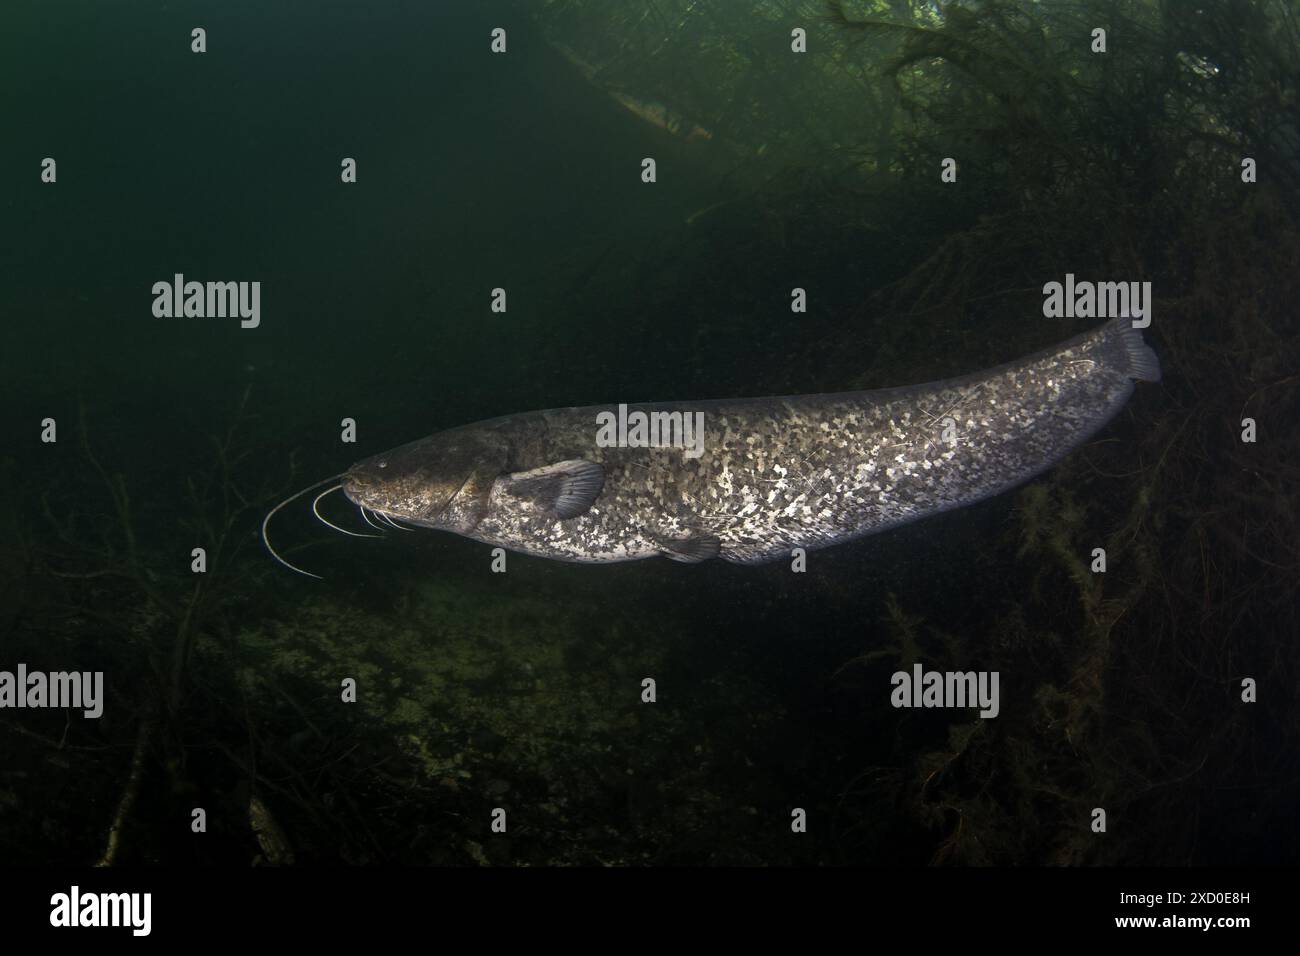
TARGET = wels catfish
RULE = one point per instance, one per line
(748, 480)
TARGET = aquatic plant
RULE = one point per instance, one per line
(97, 584)
(1112, 168)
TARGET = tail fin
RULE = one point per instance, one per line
(1142, 362)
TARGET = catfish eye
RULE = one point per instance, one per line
(383, 464)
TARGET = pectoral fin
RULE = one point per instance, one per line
(565, 489)
(692, 549)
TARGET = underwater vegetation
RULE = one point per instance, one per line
(1135, 674)
(1121, 690)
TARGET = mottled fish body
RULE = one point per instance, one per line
(770, 474)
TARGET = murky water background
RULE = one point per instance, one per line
(523, 690)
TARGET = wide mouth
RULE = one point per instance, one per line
(355, 485)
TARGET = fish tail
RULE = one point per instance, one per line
(1143, 365)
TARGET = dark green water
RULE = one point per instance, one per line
(523, 690)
